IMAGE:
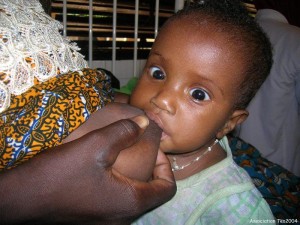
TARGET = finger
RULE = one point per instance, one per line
(153, 194)
(138, 161)
(163, 168)
(118, 136)
(163, 180)
(161, 189)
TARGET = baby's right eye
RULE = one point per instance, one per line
(156, 73)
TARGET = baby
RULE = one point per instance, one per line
(206, 64)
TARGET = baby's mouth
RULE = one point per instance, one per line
(157, 120)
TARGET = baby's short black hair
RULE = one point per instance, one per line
(232, 19)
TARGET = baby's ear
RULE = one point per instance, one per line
(237, 117)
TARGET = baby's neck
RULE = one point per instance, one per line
(208, 160)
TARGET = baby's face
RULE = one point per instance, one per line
(187, 86)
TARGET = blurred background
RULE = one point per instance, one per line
(115, 35)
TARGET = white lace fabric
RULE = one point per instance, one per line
(31, 47)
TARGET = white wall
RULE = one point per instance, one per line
(124, 68)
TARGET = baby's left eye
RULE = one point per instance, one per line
(199, 94)
(157, 73)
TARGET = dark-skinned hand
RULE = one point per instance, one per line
(80, 183)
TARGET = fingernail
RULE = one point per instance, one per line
(141, 121)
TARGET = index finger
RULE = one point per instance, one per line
(163, 168)
(119, 136)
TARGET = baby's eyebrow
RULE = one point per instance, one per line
(211, 82)
(155, 53)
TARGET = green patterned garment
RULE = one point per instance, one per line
(221, 194)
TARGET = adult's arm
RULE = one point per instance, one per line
(79, 184)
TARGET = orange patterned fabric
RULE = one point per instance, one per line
(48, 112)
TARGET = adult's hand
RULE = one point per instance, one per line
(80, 185)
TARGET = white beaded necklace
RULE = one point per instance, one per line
(175, 167)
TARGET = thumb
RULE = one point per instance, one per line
(118, 136)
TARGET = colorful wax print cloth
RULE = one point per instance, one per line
(48, 112)
(280, 187)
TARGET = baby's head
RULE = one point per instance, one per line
(230, 19)
(206, 64)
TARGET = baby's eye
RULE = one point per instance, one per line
(156, 73)
(199, 94)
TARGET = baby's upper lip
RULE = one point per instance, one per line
(155, 118)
